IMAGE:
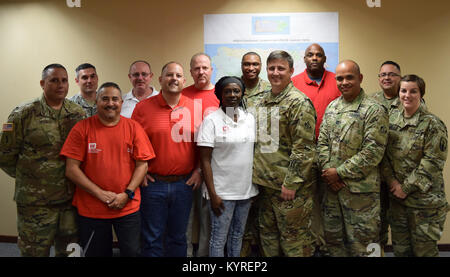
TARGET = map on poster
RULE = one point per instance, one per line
(228, 36)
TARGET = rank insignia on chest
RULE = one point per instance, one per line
(8, 127)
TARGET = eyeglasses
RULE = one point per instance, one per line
(388, 74)
(143, 74)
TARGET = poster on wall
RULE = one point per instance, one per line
(228, 36)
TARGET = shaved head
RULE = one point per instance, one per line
(315, 60)
(350, 64)
(348, 79)
(315, 45)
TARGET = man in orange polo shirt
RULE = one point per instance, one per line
(168, 120)
(107, 158)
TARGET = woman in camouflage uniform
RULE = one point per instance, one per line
(412, 167)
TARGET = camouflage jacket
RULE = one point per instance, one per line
(387, 103)
(415, 156)
(285, 148)
(254, 95)
(392, 103)
(29, 151)
(352, 139)
(89, 109)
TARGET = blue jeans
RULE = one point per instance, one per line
(165, 209)
(228, 228)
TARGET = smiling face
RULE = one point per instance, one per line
(389, 78)
(410, 97)
(251, 67)
(172, 79)
(87, 80)
(231, 95)
(109, 104)
(279, 74)
(348, 80)
(140, 76)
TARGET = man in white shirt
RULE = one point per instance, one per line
(140, 75)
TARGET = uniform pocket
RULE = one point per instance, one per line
(429, 223)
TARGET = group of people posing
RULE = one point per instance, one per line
(295, 166)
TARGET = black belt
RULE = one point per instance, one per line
(169, 178)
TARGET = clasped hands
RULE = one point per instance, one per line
(396, 189)
(114, 200)
(331, 177)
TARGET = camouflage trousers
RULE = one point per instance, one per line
(317, 218)
(40, 227)
(415, 232)
(285, 226)
(384, 204)
(351, 222)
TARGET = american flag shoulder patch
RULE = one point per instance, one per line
(8, 127)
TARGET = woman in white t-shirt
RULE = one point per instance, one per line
(226, 139)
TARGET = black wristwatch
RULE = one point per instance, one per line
(130, 193)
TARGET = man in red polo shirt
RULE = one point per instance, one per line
(107, 159)
(320, 86)
(168, 120)
(317, 82)
(202, 92)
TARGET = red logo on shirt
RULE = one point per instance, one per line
(225, 129)
(92, 148)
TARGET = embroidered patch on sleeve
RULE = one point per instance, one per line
(8, 127)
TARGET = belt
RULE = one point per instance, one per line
(169, 178)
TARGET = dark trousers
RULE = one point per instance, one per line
(127, 229)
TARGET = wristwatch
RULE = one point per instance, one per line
(129, 193)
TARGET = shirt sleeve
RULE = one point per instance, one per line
(433, 161)
(323, 144)
(387, 173)
(143, 149)
(206, 134)
(11, 144)
(302, 125)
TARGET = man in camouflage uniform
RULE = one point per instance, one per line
(351, 144)
(29, 152)
(255, 89)
(283, 163)
(412, 167)
(389, 81)
(87, 79)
